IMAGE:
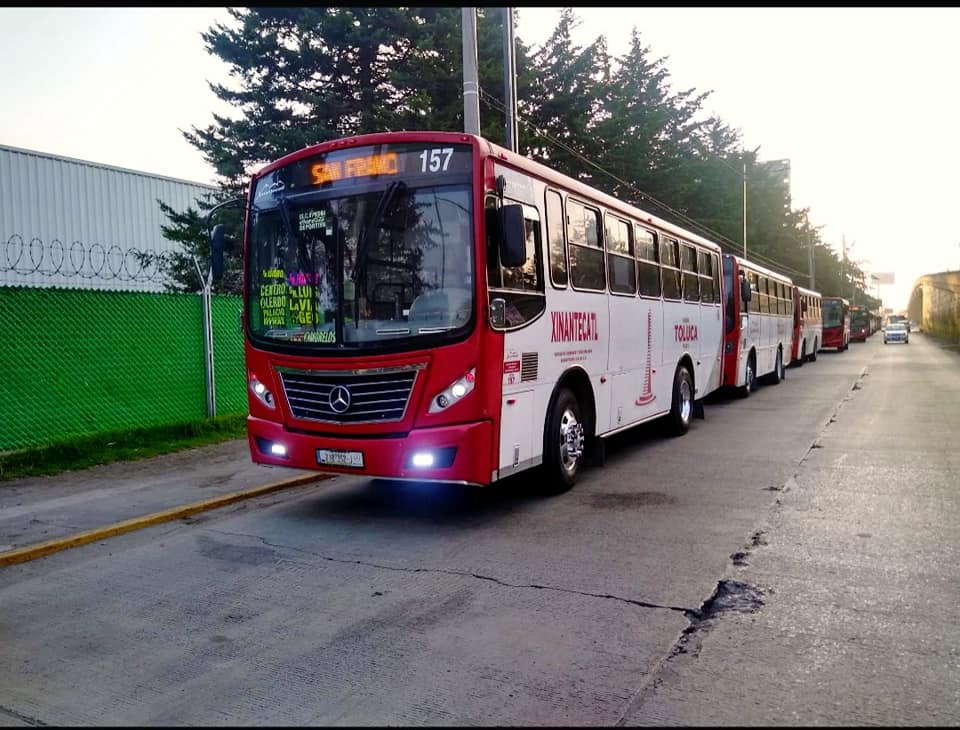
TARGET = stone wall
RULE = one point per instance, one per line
(935, 304)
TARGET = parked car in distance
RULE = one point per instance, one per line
(896, 332)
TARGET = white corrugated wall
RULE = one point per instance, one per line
(71, 223)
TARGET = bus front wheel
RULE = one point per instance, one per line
(813, 352)
(563, 447)
(750, 381)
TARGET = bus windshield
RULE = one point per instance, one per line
(832, 316)
(388, 263)
(858, 317)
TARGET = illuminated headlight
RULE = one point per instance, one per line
(278, 449)
(454, 392)
(261, 391)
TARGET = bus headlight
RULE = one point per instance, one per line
(261, 391)
(454, 392)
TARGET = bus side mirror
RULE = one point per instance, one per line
(217, 248)
(745, 294)
(513, 241)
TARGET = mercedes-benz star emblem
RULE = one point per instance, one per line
(339, 399)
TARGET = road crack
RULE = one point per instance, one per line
(22, 718)
(691, 613)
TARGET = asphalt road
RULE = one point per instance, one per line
(792, 560)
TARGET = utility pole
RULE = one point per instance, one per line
(813, 279)
(843, 267)
(510, 79)
(471, 82)
(744, 208)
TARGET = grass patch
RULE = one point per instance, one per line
(132, 445)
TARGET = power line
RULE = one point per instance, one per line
(733, 246)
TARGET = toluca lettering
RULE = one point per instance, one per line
(685, 332)
(574, 327)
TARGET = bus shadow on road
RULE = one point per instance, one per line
(389, 500)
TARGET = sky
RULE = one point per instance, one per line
(864, 102)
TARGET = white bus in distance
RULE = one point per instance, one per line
(758, 323)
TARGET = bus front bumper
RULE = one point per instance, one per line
(459, 453)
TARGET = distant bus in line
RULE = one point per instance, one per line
(758, 331)
(859, 323)
(807, 325)
(836, 323)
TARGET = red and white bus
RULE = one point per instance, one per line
(836, 323)
(431, 306)
(807, 325)
(758, 332)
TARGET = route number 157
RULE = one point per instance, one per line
(436, 160)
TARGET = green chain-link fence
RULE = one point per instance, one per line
(81, 362)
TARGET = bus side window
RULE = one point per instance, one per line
(647, 261)
(706, 277)
(670, 263)
(755, 286)
(521, 287)
(716, 277)
(688, 264)
(621, 265)
(555, 228)
(587, 270)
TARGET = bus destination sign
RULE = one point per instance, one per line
(364, 164)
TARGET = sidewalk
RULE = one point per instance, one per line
(38, 509)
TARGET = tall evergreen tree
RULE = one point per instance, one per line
(564, 101)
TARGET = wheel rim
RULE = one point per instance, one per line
(571, 441)
(749, 375)
(686, 401)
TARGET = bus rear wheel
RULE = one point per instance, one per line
(803, 354)
(563, 444)
(813, 352)
(777, 375)
(681, 408)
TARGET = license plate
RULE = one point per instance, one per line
(331, 457)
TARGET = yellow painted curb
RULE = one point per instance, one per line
(32, 552)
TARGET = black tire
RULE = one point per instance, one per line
(813, 353)
(777, 375)
(561, 464)
(681, 407)
(751, 385)
(803, 354)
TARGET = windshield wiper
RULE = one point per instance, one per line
(387, 199)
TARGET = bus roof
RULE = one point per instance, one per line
(488, 148)
(747, 264)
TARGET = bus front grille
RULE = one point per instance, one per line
(378, 395)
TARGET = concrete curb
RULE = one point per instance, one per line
(39, 550)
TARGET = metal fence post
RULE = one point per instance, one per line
(206, 299)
